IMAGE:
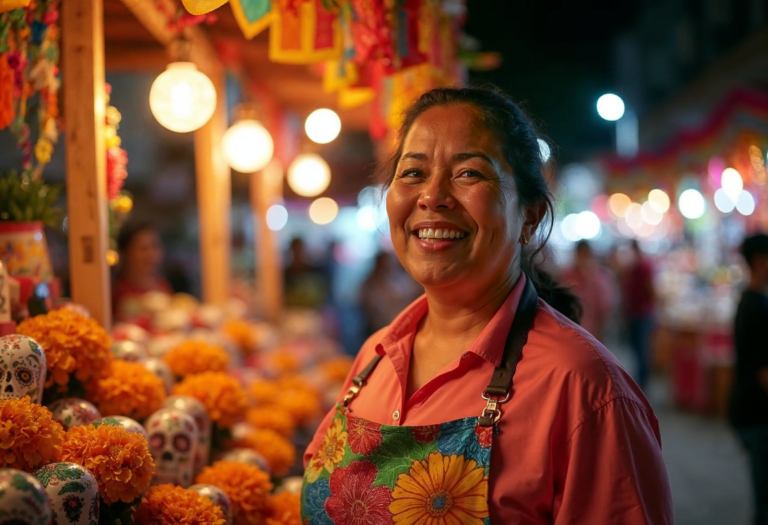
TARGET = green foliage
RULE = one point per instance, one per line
(24, 198)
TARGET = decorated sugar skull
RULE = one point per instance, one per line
(172, 320)
(73, 412)
(161, 369)
(130, 332)
(77, 308)
(172, 442)
(218, 497)
(23, 500)
(73, 492)
(195, 408)
(291, 485)
(23, 365)
(247, 456)
(128, 351)
(130, 425)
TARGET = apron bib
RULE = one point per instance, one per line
(366, 473)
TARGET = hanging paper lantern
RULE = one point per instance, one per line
(309, 175)
(247, 146)
(182, 98)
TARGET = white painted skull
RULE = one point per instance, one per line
(73, 492)
(218, 497)
(247, 456)
(73, 412)
(130, 332)
(23, 365)
(172, 442)
(197, 410)
(128, 351)
(161, 369)
(130, 425)
(23, 500)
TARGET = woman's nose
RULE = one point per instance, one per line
(437, 194)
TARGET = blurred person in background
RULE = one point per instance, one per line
(141, 254)
(593, 284)
(640, 308)
(749, 398)
(386, 292)
(305, 283)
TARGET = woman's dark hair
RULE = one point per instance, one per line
(520, 146)
(129, 231)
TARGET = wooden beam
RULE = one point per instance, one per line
(214, 187)
(266, 190)
(139, 59)
(83, 62)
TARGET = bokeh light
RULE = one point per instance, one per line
(745, 204)
(610, 107)
(634, 216)
(322, 126)
(650, 214)
(715, 169)
(619, 203)
(691, 204)
(732, 183)
(247, 146)
(723, 202)
(181, 98)
(309, 175)
(323, 210)
(277, 217)
(587, 225)
(568, 228)
(659, 200)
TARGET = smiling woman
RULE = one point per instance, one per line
(433, 393)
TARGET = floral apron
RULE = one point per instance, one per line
(365, 473)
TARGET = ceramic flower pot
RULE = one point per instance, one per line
(24, 250)
(73, 492)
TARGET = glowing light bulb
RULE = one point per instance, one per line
(309, 175)
(322, 126)
(181, 98)
(323, 210)
(247, 146)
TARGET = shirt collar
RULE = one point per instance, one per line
(489, 345)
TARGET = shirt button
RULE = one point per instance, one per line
(396, 415)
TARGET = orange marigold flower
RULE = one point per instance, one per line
(336, 370)
(279, 453)
(173, 505)
(29, 438)
(72, 343)
(243, 333)
(120, 461)
(196, 357)
(284, 361)
(272, 418)
(302, 405)
(246, 486)
(129, 389)
(292, 382)
(283, 509)
(264, 392)
(221, 394)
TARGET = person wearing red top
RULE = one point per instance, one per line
(481, 403)
(639, 308)
(141, 254)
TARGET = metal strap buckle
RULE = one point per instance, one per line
(351, 393)
(492, 409)
(488, 397)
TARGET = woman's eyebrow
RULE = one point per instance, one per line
(414, 155)
(473, 154)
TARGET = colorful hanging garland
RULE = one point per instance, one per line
(29, 83)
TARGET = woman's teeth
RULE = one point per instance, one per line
(430, 233)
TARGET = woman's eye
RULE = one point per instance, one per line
(471, 174)
(410, 174)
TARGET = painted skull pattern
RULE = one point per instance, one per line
(172, 443)
(73, 412)
(130, 425)
(72, 490)
(161, 369)
(218, 497)
(23, 367)
(195, 408)
(23, 499)
(128, 351)
(247, 456)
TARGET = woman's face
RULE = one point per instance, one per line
(144, 253)
(452, 178)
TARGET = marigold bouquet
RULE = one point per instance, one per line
(196, 357)
(129, 389)
(29, 438)
(272, 418)
(174, 505)
(283, 509)
(223, 397)
(264, 392)
(246, 486)
(279, 453)
(120, 461)
(73, 343)
(243, 333)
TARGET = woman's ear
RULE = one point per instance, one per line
(534, 214)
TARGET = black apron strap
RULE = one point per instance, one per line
(498, 390)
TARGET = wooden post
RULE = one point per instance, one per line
(83, 64)
(266, 190)
(214, 188)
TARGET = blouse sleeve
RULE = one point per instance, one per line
(612, 471)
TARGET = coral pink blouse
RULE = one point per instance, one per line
(578, 441)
